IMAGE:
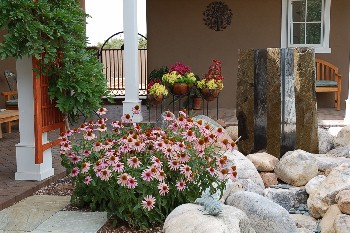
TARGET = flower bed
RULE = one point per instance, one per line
(139, 173)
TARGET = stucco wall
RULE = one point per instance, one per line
(176, 32)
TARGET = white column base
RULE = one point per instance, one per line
(347, 111)
(26, 167)
(127, 109)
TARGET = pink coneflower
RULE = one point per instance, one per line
(85, 166)
(218, 132)
(97, 146)
(139, 146)
(69, 133)
(169, 116)
(123, 179)
(181, 185)
(136, 110)
(87, 180)
(64, 140)
(110, 152)
(102, 111)
(134, 162)
(189, 135)
(168, 151)
(147, 175)
(70, 154)
(102, 128)
(118, 167)
(132, 183)
(86, 153)
(163, 189)
(117, 124)
(75, 159)
(211, 171)
(186, 170)
(221, 161)
(66, 147)
(180, 147)
(174, 126)
(105, 174)
(174, 165)
(89, 135)
(75, 172)
(126, 118)
(160, 175)
(156, 162)
(148, 202)
(183, 158)
(223, 174)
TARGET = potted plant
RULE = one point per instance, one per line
(212, 83)
(156, 92)
(197, 99)
(179, 79)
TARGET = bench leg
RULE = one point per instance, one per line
(8, 127)
(0, 131)
(337, 103)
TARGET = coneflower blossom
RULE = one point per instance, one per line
(169, 116)
(105, 174)
(75, 172)
(174, 165)
(163, 189)
(97, 146)
(186, 170)
(181, 185)
(118, 167)
(148, 202)
(123, 179)
(132, 183)
(156, 162)
(189, 135)
(66, 147)
(85, 166)
(102, 128)
(161, 175)
(211, 171)
(136, 110)
(126, 118)
(87, 180)
(89, 135)
(86, 153)
(183, 158)
(117, 124)
(134, 162)
(102, 111)
(75, 159)
(147, 175)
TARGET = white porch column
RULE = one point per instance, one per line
(347, 106)
(25, 149)
(131, 59)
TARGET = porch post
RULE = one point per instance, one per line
(25, 149)
(131, 59)
(347, 105)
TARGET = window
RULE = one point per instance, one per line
(306, 23)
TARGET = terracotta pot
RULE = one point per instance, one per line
(197, 103)
(155, 100)
(210, 95)
(179, 89)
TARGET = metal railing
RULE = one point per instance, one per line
(113, 68)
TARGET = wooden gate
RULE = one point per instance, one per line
(47, 116)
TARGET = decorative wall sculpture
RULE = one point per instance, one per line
(217, 16)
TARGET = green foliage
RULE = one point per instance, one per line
(55, 28)
(157, 74)
(97, 163)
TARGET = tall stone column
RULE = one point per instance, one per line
(25, 149)
(131, 59)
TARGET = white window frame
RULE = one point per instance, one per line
(286, 30)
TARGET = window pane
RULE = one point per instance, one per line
(298, 11)
(298, 33)
(314, 10)
(313, 33)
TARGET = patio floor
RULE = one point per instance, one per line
(12, 191)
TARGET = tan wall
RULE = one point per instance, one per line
(176, 32)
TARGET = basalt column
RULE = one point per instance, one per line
(276, 103)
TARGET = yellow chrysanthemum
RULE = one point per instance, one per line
(158, 89)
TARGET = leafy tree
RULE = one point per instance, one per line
(117, 43)
(56, 29)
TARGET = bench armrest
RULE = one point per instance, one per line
(8, 94)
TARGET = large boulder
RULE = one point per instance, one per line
(326, 163)
(328, 219)
(321, 199)
(263, 162)
(265, 216)
(287, 198)
(313, 184)
(304, 221)
(297, 168)
(343, 200)
(342, 223)
(240, 185)
(325, 141)
(190, 218)
(245, 168)
(343, 137)
(232, 132)
(340, 151)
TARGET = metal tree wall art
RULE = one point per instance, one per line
(217, 16)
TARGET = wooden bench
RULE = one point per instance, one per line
(7, 117)
(328, 79)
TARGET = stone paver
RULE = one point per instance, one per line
(31, 212)
(73, 221)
